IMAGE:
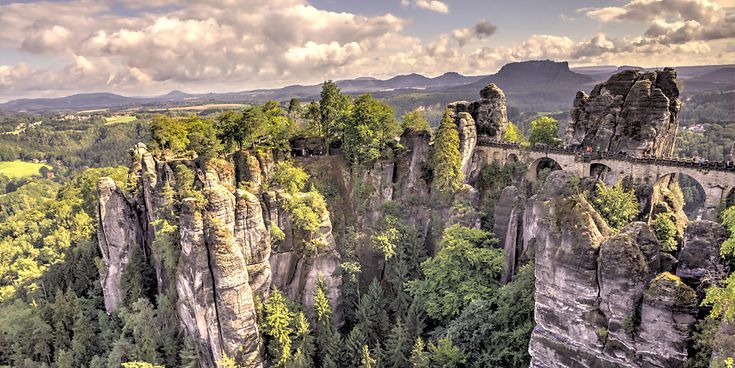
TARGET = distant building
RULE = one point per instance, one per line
(699, 128)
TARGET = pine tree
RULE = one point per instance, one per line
(82, 343)
(447, 160)
(137, 278)
(304, 342)
(167, 321)
(398, 347)
(278, 328)
(419, 357)
(353, 347)
(372, 315)
(366, 361)
(189, 354)
(64, 359)
(324, 330)
(446, 354)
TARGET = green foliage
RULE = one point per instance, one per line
(722, 299)
(513, 134)
(495, 332)
(665, 231)
(618, 206)
(169, 135)
(366, 361)
(371, 126)
(466, 268)
(31, 241)
(544, 130)
(307, 210)
(289, 177)
(447, 160)
(446, 354)
(415, 120)
(372, 314)
(276, 233)
(327, 338)
(419, 356)
(140, 365)
(278, 328)
(385, 240)
(334, 108)
(728, 221)
(398, 347)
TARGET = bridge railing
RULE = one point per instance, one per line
(583, 156)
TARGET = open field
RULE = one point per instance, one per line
(207, 106)
(19, 169)
(115, 119)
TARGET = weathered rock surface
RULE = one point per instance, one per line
(667, 314)
(254, 239)
(508, 228)
(601, 300)
(635, 112)
(489, 113)
(118, 231)
(699, 258)
(295, 272)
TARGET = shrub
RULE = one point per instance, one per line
(665, 231)
(291, 178)
(618, 206)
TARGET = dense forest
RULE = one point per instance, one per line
(443, 307)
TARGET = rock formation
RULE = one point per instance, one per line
(489, 114)
(699, 258)
(601, 298)
(224, 237)
(118, 231)
(635, 112)
(508, 228)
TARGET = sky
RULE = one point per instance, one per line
(147, 47)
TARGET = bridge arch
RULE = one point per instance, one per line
(511, 158)
(603, 173)
(539, 166)
(697, 200)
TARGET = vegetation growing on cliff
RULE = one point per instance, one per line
(618, 206)
(544, 130)
(446, 159)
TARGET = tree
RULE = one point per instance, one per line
(721, 295)
(513, 134)
(415, 120)
(495, 332)
(295, 109)
(446, 354)
(327, 338)
(137, 277)
(466, 268)
(372, 314)
(419, 357)
(202, 136)
(398, 347)
(289, 177)
(352, 353)
(371, 126)
(304, 343)
(544, 130)
(618, 206)
(448, 174)
(169, 135)
(665, 231)
(366, 361)
(278, 328)
(82, 343)
(333, 107)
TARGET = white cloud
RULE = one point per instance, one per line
(431, 5)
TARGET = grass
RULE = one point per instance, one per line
(20, 169)
(115, 119)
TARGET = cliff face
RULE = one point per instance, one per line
(635, 112)
(226, 257)
(602, 298)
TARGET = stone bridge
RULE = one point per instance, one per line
(716, 178)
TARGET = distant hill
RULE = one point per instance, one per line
(538, 85)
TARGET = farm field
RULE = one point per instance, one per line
(116, 119)
(20, 169)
